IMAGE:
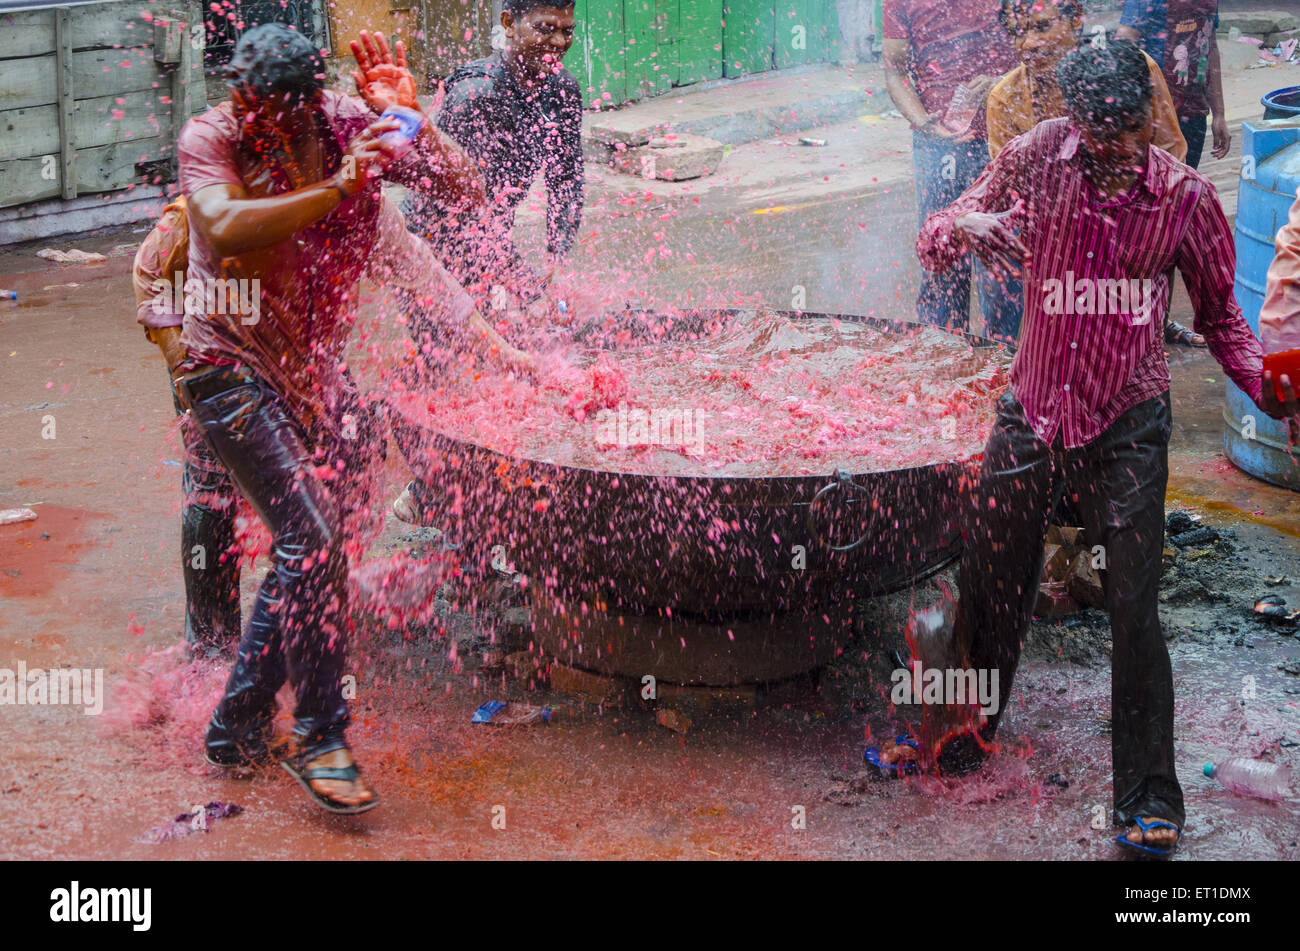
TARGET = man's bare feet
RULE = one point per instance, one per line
(1160, 837)
(344, 793)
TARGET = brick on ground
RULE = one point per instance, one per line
(1054, 601)
(1084, 582)
(594, 688)
(674, 157)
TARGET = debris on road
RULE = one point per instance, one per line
(1251, 777)
(14, 516)
(1084, 581)
(1273, 607)
(525, 665)
(1197, 537)
(1054, 600)
(187, 823)
(850, 792)
(593, 688)
(1068, 579)
(505, 713)
(71, 257)
(677, 722)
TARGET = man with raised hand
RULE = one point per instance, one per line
(518, 114)
(283, 188)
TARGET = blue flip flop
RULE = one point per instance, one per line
(1146, 825)
(872, 756)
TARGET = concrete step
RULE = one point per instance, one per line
(1257, 23)
(736, 111)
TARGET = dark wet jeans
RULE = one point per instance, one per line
(1194, 131)
(1119, 481)
(298, 623)
(209, 562)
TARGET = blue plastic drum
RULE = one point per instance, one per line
(1270, 175)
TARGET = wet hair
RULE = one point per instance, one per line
(1106, 86)
(1010, 9)
(275, 58)
(517, 8)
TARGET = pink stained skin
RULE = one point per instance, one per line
(764, 396)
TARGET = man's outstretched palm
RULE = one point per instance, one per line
(382, 78)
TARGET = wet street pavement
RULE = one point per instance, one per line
(95, 582)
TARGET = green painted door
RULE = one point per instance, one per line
(651, 57)
(699, 41)
(807, 31)
(748, 28)
(828, 38)
(793, 29)
(598, 57)
(668, 36)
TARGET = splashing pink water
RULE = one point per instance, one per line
(763, 395)
(170, 698)
(401, 589)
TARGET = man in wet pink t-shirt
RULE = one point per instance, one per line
(935, 52)
(285, 209)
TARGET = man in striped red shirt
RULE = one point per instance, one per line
(1094, 221)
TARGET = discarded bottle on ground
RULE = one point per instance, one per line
(504, 713)
(1252, 777)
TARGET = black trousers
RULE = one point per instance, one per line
(1119, 480)
(298, 625)
(209, 562)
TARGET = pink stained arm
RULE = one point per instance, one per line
(1279, 318)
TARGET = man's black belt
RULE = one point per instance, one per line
(203, 384)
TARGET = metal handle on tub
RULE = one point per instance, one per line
(843, 483)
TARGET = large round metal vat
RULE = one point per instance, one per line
(710, 580)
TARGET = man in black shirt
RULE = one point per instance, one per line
(516, 113)
(519, 112)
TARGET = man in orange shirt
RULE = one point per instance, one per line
(1043, 32)
(209, 562)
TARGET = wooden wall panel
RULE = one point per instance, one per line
(83, 100)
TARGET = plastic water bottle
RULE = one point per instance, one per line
(1252, 777)
(8, 295)
(410, 121)
(962, 110)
